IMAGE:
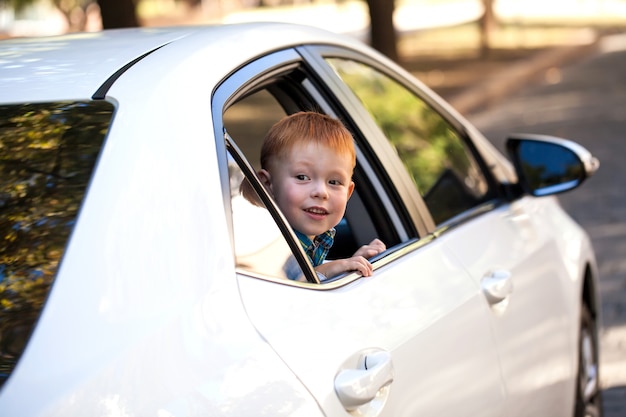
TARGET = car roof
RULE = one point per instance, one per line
(74, 66)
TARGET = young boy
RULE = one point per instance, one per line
(307, 160)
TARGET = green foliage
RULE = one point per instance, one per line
(17, 5)
(423, 139)
(432, 151)
(47, 154)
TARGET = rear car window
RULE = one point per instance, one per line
(47, 154)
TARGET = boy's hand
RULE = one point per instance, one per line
(339, 266)
(358, 262)
(373, 248)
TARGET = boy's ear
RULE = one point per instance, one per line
(350, 189)
(266, 180)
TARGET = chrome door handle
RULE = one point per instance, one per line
(356, 387)
(497, 286)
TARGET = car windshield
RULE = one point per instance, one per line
(47, 154)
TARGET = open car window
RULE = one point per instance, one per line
(370, 212)
(261, 248)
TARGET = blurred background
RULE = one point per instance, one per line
(555, 67)
(448, 44)
(396, 28)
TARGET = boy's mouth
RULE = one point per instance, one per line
(316, 210)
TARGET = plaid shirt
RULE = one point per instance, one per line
(317, 249)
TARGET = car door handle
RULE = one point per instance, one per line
(356, 387)
(497, 286)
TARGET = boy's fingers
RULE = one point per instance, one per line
(364, 267)
(378, 243)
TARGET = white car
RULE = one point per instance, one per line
(136, 280)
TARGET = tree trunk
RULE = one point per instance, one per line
(487, 26)
(382, 32)
(118, 14)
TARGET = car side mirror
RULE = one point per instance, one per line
(547, 165)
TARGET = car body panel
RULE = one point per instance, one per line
(69, 67)
(531, 326)
(135, 294)
(75, 66)
(438, 307)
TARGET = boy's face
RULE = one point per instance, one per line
(311, 185)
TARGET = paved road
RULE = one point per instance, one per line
(586, 102)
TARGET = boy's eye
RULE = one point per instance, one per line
(335, 182)
(302, 177)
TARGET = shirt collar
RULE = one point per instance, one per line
(318, 248)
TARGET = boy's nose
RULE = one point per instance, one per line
(320, 190)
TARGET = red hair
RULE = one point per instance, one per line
(306, 127)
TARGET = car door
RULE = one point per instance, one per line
(532, 318)
(506, 247)
(413, 339)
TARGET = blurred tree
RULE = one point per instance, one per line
(122, 13)
(15, 4)
(382, 31)
(75, 12)
(115, 13)
(487, 25)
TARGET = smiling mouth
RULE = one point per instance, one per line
(316, 211)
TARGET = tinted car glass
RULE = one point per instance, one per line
(443, 168)
(47, 154)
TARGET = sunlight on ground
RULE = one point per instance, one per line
(613, 352)
(465, 39)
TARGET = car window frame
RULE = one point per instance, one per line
(257, 73)
(271, 206)
(405, 221)
(316, 55)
